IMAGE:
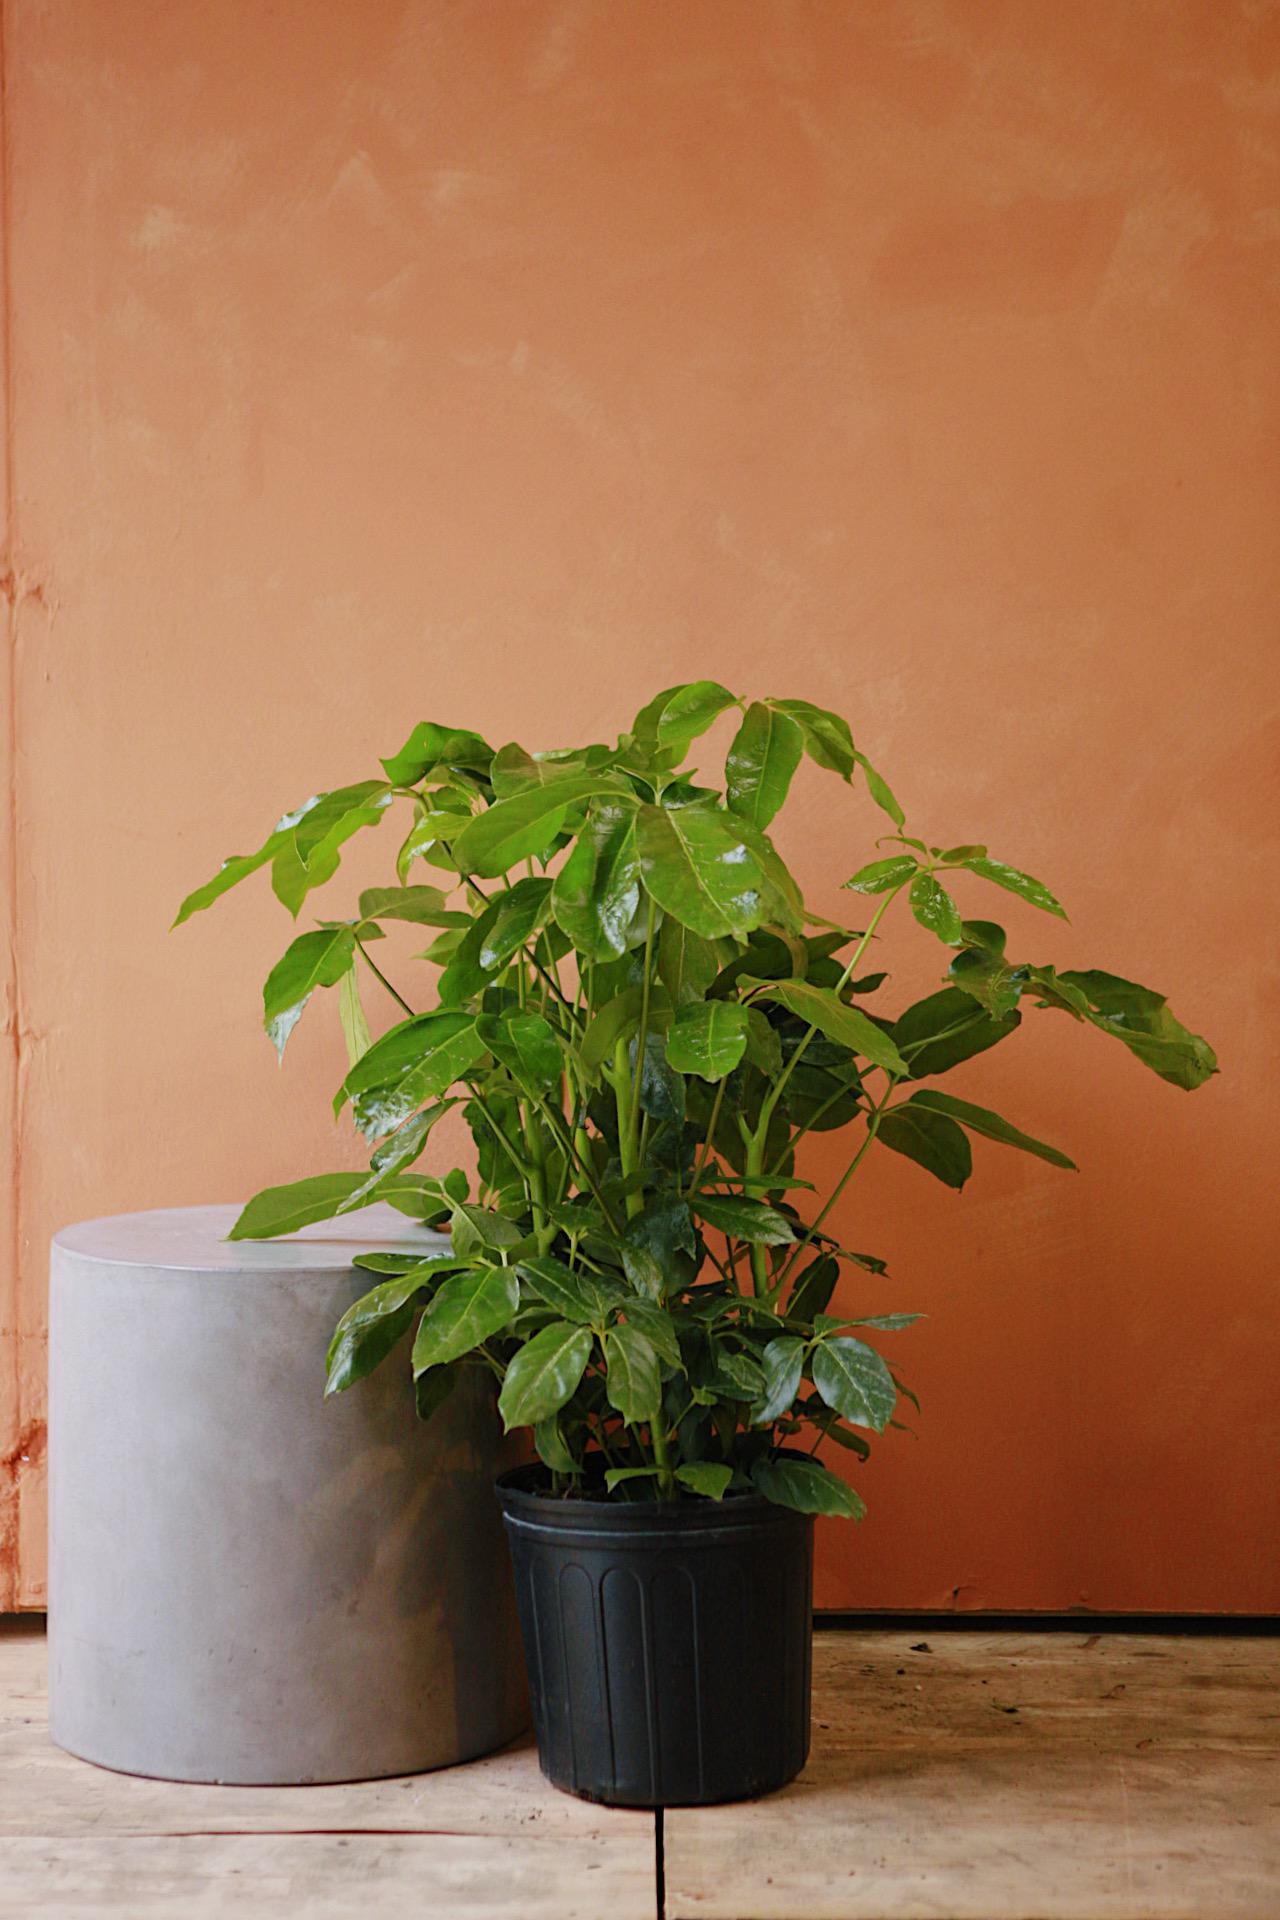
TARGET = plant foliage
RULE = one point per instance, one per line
(641, 1022)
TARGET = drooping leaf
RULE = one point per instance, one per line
(991, 1125)
(696, 865)
(355, 1027)
(814, 1288)
(633, 1382)
(854, 1381)
(934, 908)
(708, 1037)
(1140, 1018)
(521, 911)
(465, 1310)
(807, 1487)
(943, 1029)
(237, 867)
(417, 1060)
(880, 790)
(687, 964)
(524, 825)
(357, 1350)
(783, 1363)
(421, 906)
(659, 1329)
(278, 1210)
(662, 1229)
(313, 960)
(825, 1010)
(766, 751)
(597, 890)
(932, 1140)
(432, 1388)
(527, 1046)
(396, 1153)
(827, 738)
(544, 1374)
(431, 745)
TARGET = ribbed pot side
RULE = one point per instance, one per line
(668, 1646)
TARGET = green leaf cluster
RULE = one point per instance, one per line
(626, 995)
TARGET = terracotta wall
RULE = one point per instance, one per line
(503, 362)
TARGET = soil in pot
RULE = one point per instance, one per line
(668, 1645)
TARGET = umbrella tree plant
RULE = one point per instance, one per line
(641, 1021)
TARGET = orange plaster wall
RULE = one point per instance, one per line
(504, 362)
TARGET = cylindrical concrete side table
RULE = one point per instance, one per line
(248, 1582)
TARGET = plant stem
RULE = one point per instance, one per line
(643, 1034)
(873, 1126)
(378, 974)
(662, 1460)
(705, 1154)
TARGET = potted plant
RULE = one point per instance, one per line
(641, 1022)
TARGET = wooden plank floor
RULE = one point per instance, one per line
(1051, 1776)
(992, 1776)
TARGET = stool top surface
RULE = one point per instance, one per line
(195, 1239)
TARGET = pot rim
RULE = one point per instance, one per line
(527, 1508)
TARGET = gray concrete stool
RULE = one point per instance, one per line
(250, 1583)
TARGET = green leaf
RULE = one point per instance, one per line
(934, 908)
(880, 790)
(527, 1046)
(422, 906)
(748, 1220)
(764, 1047)
(783, 900)
(1141, 1020)
(687, 964)
(932, 1140)
(658, 1328)
(825, 1010)
(632, 1382)
(465, 1310)
(618, 1476)
(827, 739)
(783, 1363)
(881, 876)
(1014, 882)
(662, 1230)
(552, 1448)
(814, 1288)
(390, 1295)
(617, 1018)
(284, 1209)
(399, 1151)
(310, 852)
(807, 1487)
(980, 1120)
(597, 891)
(577, 1296)
(854, 1381)
(887, 1322)
(544, 1374)
(432, 1388)
(676, 716)
(710, 1478)
(357, 1351)
(417, 1060)
(697, 867)
(937, 1033)
(766, 751)
(431, 745)
(521, 911)
(237, 867)
(736, 1376)
(355, 1028)
(523, 826)
(313, 960)
(708, 1037)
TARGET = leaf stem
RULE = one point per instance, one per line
(378, 974)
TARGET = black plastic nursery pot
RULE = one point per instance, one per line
(669, 1645)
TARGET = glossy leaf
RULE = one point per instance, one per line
(934, 1141)
(697, 867)
(633, 1382)
(237, 867)
(432, 1388)
(575, 1294)
(597, 891)
(825, 1010)
(527, 1046)
(742, 1219)
(313, 960)
(814, 1288)
(827, 738)
(431, 745)
(658, 1328)
(355, 1351)
(1014, 882)
(355, 1027)
(782, 1361)
(934, 908)
(937, 1033)
(417, 1060)
(544, 1374)
(807, 1487)
(854, 1381)
(687, 964)
(464, 1311)
(523, 826)
(880, 790)
(766, 751)
(300, 1203)
(991, 1125)
(881, 876)
(421, 906)
(549, 1440)
(676, 716)
(1140, 1018)
(520, 913)
(708, 1037)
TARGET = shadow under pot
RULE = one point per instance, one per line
(668, 1644)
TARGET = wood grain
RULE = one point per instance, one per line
(1010, 1777)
